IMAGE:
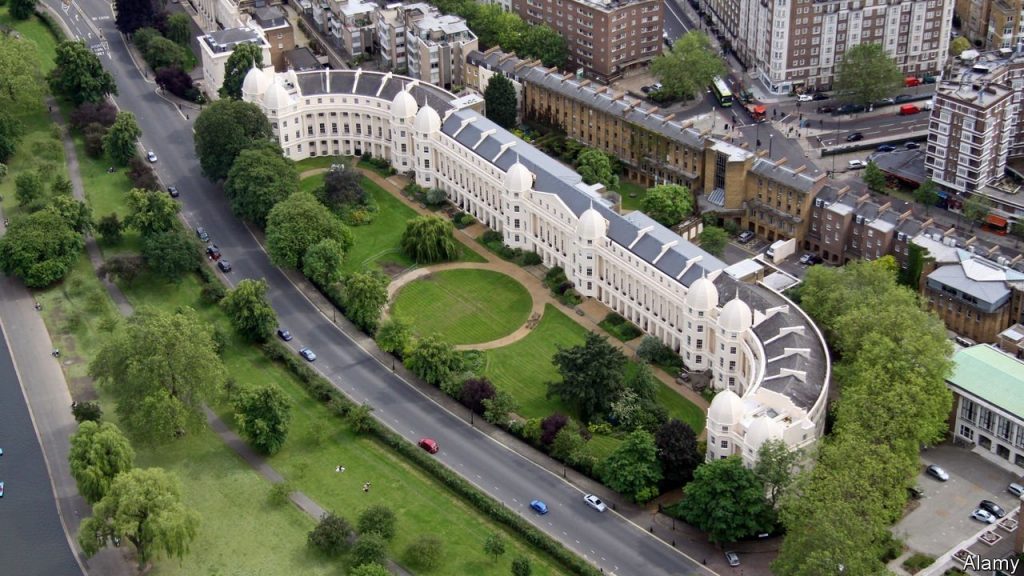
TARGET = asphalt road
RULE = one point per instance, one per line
(608, 540)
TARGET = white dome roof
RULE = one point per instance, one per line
(292, 77)
(518, 178)
(404, 105)
(702, 294)
(762, 430)
(736, 316)
(276, 97)
(427, 120)
(255, 83)
(726, 408)
(592, 225)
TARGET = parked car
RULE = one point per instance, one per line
(595, 502)
(151, 156)
(308, 354)
(820, 96)
(825, 109)
(911, 81)
(224, 265)
(213, 252)
(809, 258)
(992, 508)
(904, 98)
(645, 89)
(983, 516)
(539, 507)
(745, 236)
(854, 137)
(284, 334)
(1, 489)
(804, 98)
(173, 191)
(429, 444)
(885, 102)
(856, 165)
(732, 558)
(911, 145)
(937, 472)
(201, 233)
(886, 148)
(849, 109)
(915, 492)
(656, 87)
(1015, 489)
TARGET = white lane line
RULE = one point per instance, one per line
(668, 3)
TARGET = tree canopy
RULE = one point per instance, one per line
(343, 187)
(171, 254)
(151, 212)
(179, 28)
(378, 519)
(927, 194)
(247, 307)
(668, 203)
(591, 374)
(429, 239)
(677, 452)
(434, 360)
(299, 222)
(39, 248)
(364, 295)
(322, 262)
(686, 69)
(727, 501)
(22, 9)
(262, 414)
(331, 535)
(225, 128)
(500, 101)
(866, 74)
(594, 166)
(130, 15)
(244, 58)
(633, 469)
(259, 178)
(713, 240)
(122, 139)
(78, 75)
(21, 82)
(11, 132)
(99, 452)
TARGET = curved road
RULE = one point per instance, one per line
(608, 540)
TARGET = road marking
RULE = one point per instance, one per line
(668, 3)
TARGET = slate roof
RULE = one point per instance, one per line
(374, 85)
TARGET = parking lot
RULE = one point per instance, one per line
(942, 519)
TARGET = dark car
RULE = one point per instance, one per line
(915, 492)
(284, 334)
(885, 102)
(911, 145)
(992, 508)
(213, 252)
(825, 109)
(201, 233)
(173, 191)
(820, 96)
(904, 98)
(224, 265)
(849, 109)
(429, 444)
(810, 259)
(855, 137)
(886, 148)
(646, 89)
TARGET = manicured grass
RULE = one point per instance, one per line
(320, 162)
(627, 188)
(106, 193)
(464, 306)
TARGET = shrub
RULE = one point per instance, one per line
(377, 519)
(614, 319)
(435, 197)
(550, 427)
(142, 175)
(425, 552)
(86, 411)
(88, 113)
(212, 293)
(92, 137)
(473, 393)
(280, 493)
(531, 259)
(178, 82)
(918, 562)
(491, 236)
(370, 549)
(331, 535)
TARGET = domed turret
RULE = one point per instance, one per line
(702, 294)
(726, 408)
(736, 316)
(292, 77)
(518, 178)
(762, 430)
(255, 84)
(427, 120)
(404, 105)
(276, 97)
(592, 226)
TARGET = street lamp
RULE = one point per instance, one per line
(771, 138)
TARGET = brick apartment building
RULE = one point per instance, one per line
(278, 33)
(606, 38)
(994, 23)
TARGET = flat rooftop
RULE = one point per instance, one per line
(989, 374)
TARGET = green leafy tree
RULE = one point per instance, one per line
(958, 45)
(569, 445)
(633, 469)
(179, 29)
(61, 186)
(39, 248)
(500, 101)
(976, 208)
(669, 204)
(22, 84)
(86, 412)
(727, 501)
(370, 549)
(163, 52)
(377, 519)
(262, 414)
(713, 240)
(596, 167)
(332, 535)
(591, 376)
(79, 76)
(678, 453)
(369, 570)
(322, 262)
(249, 310)
(360, 418)
(498, 408)
(21, 9)
(688, 67)
(775, 468)
(99, 452)
(866, 74)
(160, 367)
(364, 295)
(521, 566)
(150, 212)
(223, 130)
(426, 552)
(343, 187)
(11, 132)
(394, 336)
(299, 222)
(545, 44)
(429, 239)
(927, 194)
(130, 15)
(29, 189)
(434, 360)
(260, 178)
(144, 507)
(244, 58)
(170, 254)
(495, 545)
(874, 178)
(122, 139)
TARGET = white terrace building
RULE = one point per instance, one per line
(760, 349)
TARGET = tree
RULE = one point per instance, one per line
(370, 549)
(150, 212)
(713, 240)
(177, 82)
(874, 178)
(976, 208)
(298, 222)
(122, 139)
(142, 506)
(39, 248)
(394, 336)
(29, 189)
(179, 29)
(11, 132)
(569, 444)
(93, 136)
(500, 101)
(497, 409)
(958, 45)
(242, 60)
(223, 130)
(678, 453)
(425, 552)
(927, 194)
(160, 368)
(727, 501)
(130, 15)
(774, 468)
(866, 74)
(369, 570)
(249, 311)
(633, 468)
(377, 519)
(591, 376)
(262, 414)
(322, 262)
(433, 360)
(79, 76)
(86, 411)
(123, 268)
(360, 418)
(331, 535)
(74, 213)
(364, 295)
(547, 45)
(343, 186)
(667, 203)
(596, 167)
(688, 67)
(429, 239)
(551, 426)
(103, 113)
(494, 545)
(22, 9)
(170, 254)
(21, 83)
(99, 452)
(521, 566)
(473, 393)
(259, 178)
(162, 52)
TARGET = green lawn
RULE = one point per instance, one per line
(105, 192)
(465, 306)
(315, 162)
(625, 189)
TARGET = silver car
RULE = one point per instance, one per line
(595, 502)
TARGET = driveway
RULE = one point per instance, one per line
(943, 518)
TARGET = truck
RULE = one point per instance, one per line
(758, 112)
(908, 110)
(780, 250)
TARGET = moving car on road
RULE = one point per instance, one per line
(429, 444)
(855, 137)
(284, 334)
(308, 354)
(224, 265)
(937, 472)
(911, 145)
(539, 507)
(886, 148)
(151, 156)
(595, 502)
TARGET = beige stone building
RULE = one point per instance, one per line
(994, 23)
(419, 40)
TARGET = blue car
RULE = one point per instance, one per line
(539, 507)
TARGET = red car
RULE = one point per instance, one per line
(429, 445)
